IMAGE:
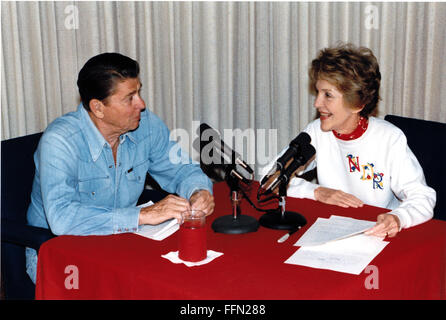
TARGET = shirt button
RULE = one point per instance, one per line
(110, 166)
(93, 193)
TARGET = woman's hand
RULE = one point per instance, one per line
(387, 225)
(337, 197)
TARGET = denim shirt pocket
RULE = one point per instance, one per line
(137, 173)
(95, 188)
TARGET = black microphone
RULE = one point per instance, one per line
(307, 151)
(223, 148)
(210, 141)
(297, 143)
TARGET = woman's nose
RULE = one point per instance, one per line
(317, 101)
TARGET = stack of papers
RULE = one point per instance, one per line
(334, 228)
(338, 244)
(160, 231)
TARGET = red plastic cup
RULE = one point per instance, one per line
(192, 241)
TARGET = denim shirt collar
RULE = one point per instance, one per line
(95, 140)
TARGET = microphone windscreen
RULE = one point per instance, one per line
(308, 151)
(204, 127)
(302, 138)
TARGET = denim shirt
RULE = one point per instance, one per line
(78, 189)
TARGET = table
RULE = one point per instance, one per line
(128, 266)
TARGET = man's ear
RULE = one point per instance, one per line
(97, 108)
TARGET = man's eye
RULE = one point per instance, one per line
(328, 95)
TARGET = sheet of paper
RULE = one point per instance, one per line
(147, 204)
(333, 228)
(160, 231)
(349, 255)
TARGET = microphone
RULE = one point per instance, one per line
(307, 151)
(224, 149)
(235, 223)
(302, 139)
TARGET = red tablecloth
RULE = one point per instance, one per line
(128, 266)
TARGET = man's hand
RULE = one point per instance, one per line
(202, 200)
(170, 207)
(387, 225)
(337, 197)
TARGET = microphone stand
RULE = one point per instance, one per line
(235, 223)
(280, 218)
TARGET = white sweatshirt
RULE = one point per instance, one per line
(378, 168)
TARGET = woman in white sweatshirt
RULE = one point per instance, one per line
(359, 158)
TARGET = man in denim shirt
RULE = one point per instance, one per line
(91, 164)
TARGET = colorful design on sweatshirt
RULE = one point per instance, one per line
(367, 170)
(353, 164)
(377, 180)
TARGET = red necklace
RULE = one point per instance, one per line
(360, 129)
